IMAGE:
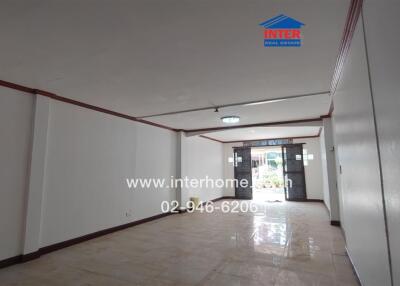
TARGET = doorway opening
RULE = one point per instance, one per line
(267, 174)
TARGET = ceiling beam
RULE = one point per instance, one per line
(245, 103)
(301, 122)
(241, 141)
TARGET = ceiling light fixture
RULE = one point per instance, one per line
(230, 119)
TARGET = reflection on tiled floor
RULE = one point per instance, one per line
(289, 244)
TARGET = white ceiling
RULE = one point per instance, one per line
(256, 133)
(292, 109)
(144, 57)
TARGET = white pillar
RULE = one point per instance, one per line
(181, 192)
(331, 169)
(36, 176)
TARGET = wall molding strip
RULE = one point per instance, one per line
(54, 96)
(79, 103)
(350, 25)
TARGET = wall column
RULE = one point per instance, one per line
(36, 176)
(331, 170)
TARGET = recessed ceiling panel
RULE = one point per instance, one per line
(292, 109)
(257, 133)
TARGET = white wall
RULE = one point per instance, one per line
(338, 177)
(331, 197)
(381, 24)
(313, 172)
(89, 156)
(325, 180)
(361, 196)
(202, 157)
(16, 113)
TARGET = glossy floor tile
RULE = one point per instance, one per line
(287, 243)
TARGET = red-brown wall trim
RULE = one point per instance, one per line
(133, 118)
(129, 117)
(17, 86)
(54, 247)
(351, 21)
(329, 115)
(10, 261)
(44, 250)
(78, 103)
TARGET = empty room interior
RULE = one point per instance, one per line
(200, 142)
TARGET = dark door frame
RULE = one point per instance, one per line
(238, 177)
(283, 167)
(302, 171)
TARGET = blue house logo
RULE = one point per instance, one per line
(282, 31)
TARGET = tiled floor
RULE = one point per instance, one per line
(288, 244)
